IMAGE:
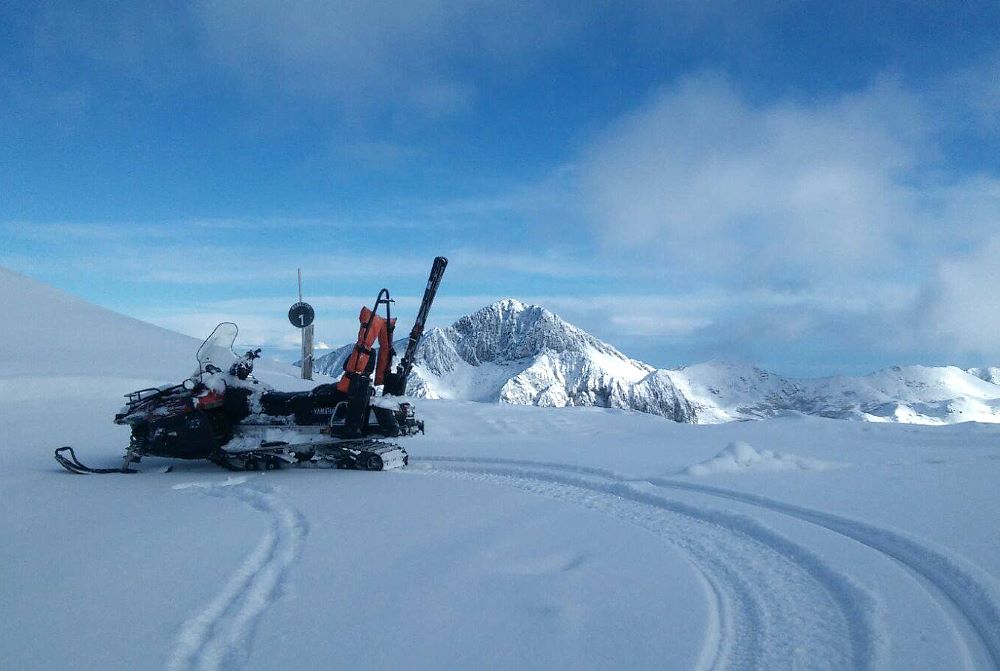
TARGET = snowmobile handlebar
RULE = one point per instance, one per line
(244, 367)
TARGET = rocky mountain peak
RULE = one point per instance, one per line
(509, 330)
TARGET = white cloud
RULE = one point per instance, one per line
(835, 221)
(788, 191)
(257, 328)
(961, 307)
(262, 320)
(416, 54)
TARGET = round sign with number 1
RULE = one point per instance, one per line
(301, 315)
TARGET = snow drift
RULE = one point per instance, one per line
(739, 456)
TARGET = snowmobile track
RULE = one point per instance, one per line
(777, 606)
(962, 589)
(220, 636)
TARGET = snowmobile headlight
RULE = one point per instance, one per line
(189, 384)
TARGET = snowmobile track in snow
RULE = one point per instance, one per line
(772, 604)
(960, 588)
(220, 636)
(953, 585)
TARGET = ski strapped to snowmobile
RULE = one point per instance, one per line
(395, 383)
(224, 415)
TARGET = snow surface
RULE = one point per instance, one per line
(519, 537)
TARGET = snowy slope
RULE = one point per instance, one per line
(913, 394)
(47, 332)
(59, 346)
(520, 537)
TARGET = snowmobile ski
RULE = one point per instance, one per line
(73, 465)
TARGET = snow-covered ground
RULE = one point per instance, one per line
(519, 537)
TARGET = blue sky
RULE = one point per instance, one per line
(814, 187)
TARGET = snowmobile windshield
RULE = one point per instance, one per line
(217, 350)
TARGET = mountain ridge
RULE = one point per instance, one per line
(512, 352)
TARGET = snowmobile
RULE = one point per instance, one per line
(225, 415)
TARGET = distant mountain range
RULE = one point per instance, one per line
(509, 352)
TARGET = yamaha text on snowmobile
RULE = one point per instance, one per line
(221, 413)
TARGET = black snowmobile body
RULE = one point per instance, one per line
(201, 422)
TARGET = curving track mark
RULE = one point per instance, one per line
(220, 636)
(969, 595)
(965, 589)
(774, 604)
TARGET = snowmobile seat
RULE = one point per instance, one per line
(285, 402)
(327, 395)
(303, 405)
